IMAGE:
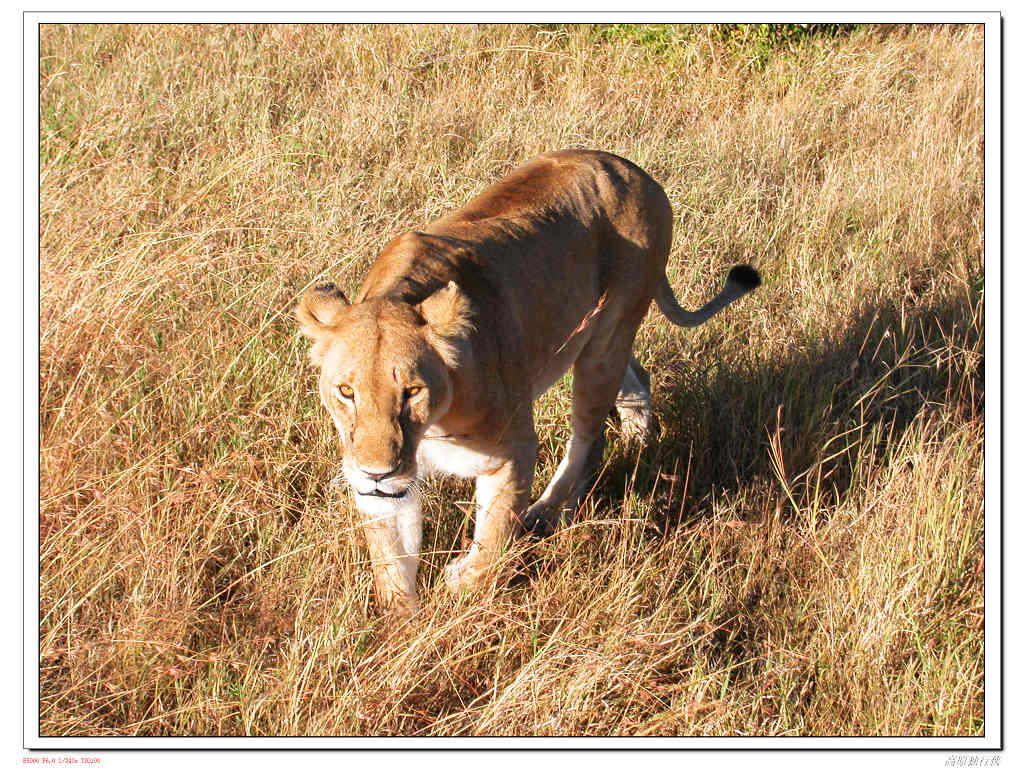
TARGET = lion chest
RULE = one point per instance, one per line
(444, 456)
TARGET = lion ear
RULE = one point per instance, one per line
(319, 309)
(449, 321)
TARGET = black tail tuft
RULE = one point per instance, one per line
(746, 276)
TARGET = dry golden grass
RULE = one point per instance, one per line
(800, 552)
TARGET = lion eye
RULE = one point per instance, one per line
(345, 391)
(412, 391)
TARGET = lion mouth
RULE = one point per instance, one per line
(384, 494)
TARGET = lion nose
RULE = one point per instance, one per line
(377, 476)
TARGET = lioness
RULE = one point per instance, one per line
(460, 326)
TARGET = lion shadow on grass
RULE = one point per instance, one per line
(804, 419)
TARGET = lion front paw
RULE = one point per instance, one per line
(463, 573)
(398, 604)
(541, 519)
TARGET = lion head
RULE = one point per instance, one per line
(385, 376)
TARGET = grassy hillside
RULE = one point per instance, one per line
(800, 550)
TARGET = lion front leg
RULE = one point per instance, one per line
(393, 532)
(501, 498)
(595, 387)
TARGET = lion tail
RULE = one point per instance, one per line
(741, 280)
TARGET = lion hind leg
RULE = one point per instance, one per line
(633, 403)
